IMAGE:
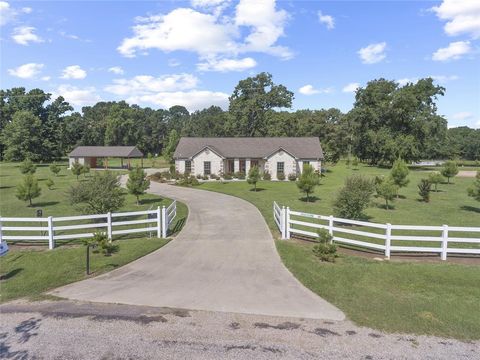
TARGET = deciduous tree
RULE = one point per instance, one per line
(137, 182)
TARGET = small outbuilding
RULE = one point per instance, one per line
(89, 155)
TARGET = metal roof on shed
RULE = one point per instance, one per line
(106, 151)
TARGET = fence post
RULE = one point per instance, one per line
(109, 226)
(51, 243)
(159, 222)
(282, 222)
(388, 240)
(444, 242)
(287, 223)
(164, 222)
(330, 225)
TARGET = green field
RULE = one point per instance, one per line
(408, 297)
(29, 273)
(450, 205)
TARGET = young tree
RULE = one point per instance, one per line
(355, 163)
(54, 168)
(85, 170)
(49, 184)
(354, 197)
(28, 189)
(99, 194)
(137, 182)
(387, 190)
(399, 174)
(474, 190)
(77, 169)
(307, 180)
(253, 176)
(28, 167)
(424, 188)
(435, 178)
(449, 170)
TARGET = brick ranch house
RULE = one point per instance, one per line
(287, 155)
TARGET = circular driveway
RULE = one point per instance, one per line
(224, 259)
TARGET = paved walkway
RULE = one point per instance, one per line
(224, 259)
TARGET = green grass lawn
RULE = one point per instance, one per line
(450, 205)
(29, 273)
(421, 298)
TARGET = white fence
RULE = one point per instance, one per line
(383, 237)
(53, 228)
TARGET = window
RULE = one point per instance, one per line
(280, 167)
(306, 162)
(207, 169)
(242, 166)
(188, 166)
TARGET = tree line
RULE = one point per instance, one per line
(387, 122)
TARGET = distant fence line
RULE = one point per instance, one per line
(156, 221)
(301, 224)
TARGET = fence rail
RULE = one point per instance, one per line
(54, 228)
(382, 237)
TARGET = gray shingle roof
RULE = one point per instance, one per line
(250, 147)
(106, 151)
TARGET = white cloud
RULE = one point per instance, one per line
(373, 53)
(25, 34)
(405, 81)
(116, 70)
(146, 84)
(8, 14)
(173, 62)
(444, 78)
(73, 72)
(310, 90)
(255, 26)
(78, 96)
(45, 78)
(166, 91)
(328, 20)
(207, 3)
(453, 51)
(462, 16)
(464, 115)
(26, 71)
(225, 65)
(350, 88)
(192, 100)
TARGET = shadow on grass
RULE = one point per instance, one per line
(310, 199)
(150, 201)
(258, 189)
(5, 187)
(470, 208)
(45, 203)
(384, 207)
(178, 226)
(10, 274)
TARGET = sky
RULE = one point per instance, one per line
(193, 53)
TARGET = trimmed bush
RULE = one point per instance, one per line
(239, 175)
(227, 177)
(280, 176)
(292, 177)
(325, 250)
(187, 180)
(267, 176)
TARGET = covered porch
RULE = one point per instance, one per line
(232, 166)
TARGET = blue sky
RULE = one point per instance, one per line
(193, 53)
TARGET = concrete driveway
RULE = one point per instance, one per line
(224, 259)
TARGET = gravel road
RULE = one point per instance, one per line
(75, 330)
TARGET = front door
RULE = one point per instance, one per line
(230, 168)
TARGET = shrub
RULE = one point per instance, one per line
(307, 181)
(199, 176)
(424, 187)
(157, 176)
(28, 189)
(166, 175)
(188, 180)
(98, 195)
(227, 176)
(292, 177)
(85, 170)
(267, 176)
(355, 163)
(100, 243)
(435, 178)
(240, 175)
(354, 197)
(450, 169)
(205, 177)
(253, 176)
(474, 190)
(325, 250)
(280, 176)
(77, 169)
(28, 167)
(54, 168)
(49, 184)
(213, 177)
